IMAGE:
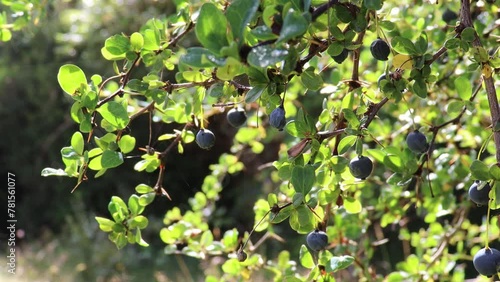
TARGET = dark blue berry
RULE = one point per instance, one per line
(417, 142)
(361, 167)
(236, 117)
(317, 240)
(380, 50)
(487, 261)
(340, 58)
(205, 139)
(480, 197)
(277, 118)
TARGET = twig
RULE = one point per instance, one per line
(123, 82)
(176, 39)
(323, 8)
(466, 21)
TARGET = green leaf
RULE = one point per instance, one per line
(335, 48)
(211, 27)
(257, 76)
(118, 209)
(420, 88)
(303, 178)
(339, 163)
(351, 118)
(298, 199)
(232, 68)
(239, 14)
(143, 189)
(393, 162)
(266, 55)
(70, 78)
(421, 44)
(136, 41)
(48, 171)
(452, 43)
(338, 263)
(306, 259)
(115, 113)
(346, 143)
(302, 219)
(403, 46)
(137, 85)
(292, 129)
(120, 240)
(105, 224)
(343, 14)
(373, 4)
(463, 86)
(126, 144)
(70, 153)
(138, 238)
(230, 239)
(495, 195)
(95, 163)
(133, 205)
(139, 221)
(468, 34)
(77, 142)
(253, 94)
(232, 267)
(495, 172)
(146, 199)
(455, 107)
(90, 100)
(480, 170)
(151, 40)
(116, 47)
(352, 205)
(111, 159)
(311, 80)
(5, 35)
(199, 57)
(294, 25)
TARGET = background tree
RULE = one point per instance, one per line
(364, 128)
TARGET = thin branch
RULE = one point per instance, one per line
(355, 69)
(176, 39)
(466, 21)
(322, 9)
(374, 109)
(123, 82)
(149, 107)
(439, 53)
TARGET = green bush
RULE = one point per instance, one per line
(409, 217)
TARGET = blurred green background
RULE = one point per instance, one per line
(58, 238)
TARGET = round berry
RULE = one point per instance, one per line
(340, 58)
(417, 142)
(277, 118)
(449, 16)
(241, 255)
(205, 139)
(487, 261)
(361, 167)
(381, 78)
(380, 50)
(480, 197)
(236, 117)
(317, 240)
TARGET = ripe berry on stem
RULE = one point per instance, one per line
(317, 240)
(205, 139)
(361, 167)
